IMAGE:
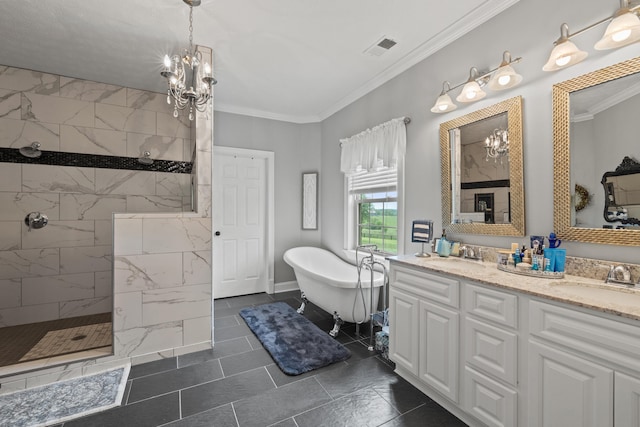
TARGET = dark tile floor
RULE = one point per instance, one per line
(237, 384)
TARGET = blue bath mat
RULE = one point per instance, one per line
(296, 344)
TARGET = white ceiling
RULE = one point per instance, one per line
(292, 60)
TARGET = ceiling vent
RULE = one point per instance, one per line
(380, 47)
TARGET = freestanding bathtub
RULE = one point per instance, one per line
(331, 284)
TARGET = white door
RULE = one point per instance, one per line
(239, 222)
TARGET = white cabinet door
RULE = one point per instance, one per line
(439, 336)
(489, 401)
(403, 330)
(626, 401)
(566, 390)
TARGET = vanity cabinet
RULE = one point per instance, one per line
(424, 328)
(583, 368)
(499, 357)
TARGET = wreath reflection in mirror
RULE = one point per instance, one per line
(582, 197)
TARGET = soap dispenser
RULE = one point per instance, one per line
(444, 246)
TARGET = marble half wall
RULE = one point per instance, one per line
(162, 267)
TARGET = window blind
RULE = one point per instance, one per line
(374, 182)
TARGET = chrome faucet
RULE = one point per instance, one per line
(620, 275)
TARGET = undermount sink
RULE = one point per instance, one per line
(455, 262)
(603, 293)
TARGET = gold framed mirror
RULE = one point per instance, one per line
(493, 204)
(609, 87)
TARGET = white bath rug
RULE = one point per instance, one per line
(62, 401)
(71, 340)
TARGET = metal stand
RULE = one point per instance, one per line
(422, 253)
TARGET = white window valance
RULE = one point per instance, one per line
(374, 149)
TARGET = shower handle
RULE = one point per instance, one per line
(35, 220)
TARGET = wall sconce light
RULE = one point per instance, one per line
(505, 76)
(471, 91)
(444, 102)
(497, 144)
(499, 78)
(624, 29)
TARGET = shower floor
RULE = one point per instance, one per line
(19, 340)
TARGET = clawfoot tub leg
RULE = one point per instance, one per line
(336, 327)
(300, 309)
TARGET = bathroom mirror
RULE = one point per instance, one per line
(482, 171)
(594, 130)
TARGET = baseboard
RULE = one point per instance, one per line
(286, 286)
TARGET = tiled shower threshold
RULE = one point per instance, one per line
(32, 365)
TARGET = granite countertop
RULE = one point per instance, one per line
(580, 291)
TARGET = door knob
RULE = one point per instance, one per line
(217, 233)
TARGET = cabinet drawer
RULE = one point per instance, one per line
(489, 401)
(493, 305)
(616, 342)
(426, 285)
(492, 350)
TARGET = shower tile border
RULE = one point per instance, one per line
(56, 158)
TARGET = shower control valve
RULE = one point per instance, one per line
(36, 220)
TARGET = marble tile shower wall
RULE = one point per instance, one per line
(65, 269)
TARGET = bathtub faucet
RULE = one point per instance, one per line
(371, 249)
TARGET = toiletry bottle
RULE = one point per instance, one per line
(444, 248)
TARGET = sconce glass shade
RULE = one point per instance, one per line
(564, 55)
(505, 77)
(623, 30)
(443, 104)
(471, 92)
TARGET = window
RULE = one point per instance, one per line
(374, 198)
(373, 164)
(378, 220)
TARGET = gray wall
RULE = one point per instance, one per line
(527, 29)
(297, 150)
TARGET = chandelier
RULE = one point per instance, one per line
(497, 145)
(190, 82)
